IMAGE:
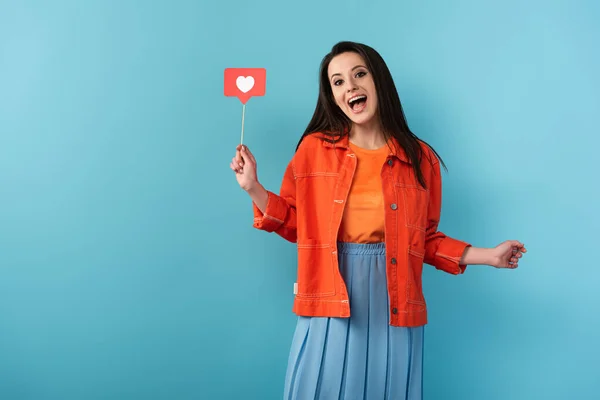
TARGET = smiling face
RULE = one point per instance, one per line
(353, 87)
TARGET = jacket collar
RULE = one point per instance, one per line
(344, 142)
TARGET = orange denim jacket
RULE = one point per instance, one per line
(308, 212)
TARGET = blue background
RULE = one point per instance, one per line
(128, 265)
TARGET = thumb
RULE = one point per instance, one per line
(247, 154)
(515, 243)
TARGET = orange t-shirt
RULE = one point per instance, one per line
(363, 219)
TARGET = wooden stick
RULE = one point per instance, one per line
(243, 115)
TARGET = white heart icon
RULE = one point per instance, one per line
(245, 83)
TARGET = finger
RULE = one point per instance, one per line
(239, 163)
(515, 244)
(237, 167)
(247, 153)
(520, 251)
(238, 157)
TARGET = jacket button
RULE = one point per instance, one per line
(393, 261)
(394, 206)
(395, 310)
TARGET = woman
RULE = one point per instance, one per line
(361, 198)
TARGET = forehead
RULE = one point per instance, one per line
(342, 63)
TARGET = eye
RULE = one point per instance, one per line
(360, 74)
(337, 82)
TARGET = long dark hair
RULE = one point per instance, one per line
(331, 121)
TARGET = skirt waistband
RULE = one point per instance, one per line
(361, 248)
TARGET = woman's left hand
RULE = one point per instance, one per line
(507, 254)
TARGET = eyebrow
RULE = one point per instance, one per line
(358, 66)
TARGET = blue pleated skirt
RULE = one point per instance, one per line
(361, 357)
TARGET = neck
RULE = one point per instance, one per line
(368, 136)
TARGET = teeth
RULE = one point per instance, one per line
(355, 98)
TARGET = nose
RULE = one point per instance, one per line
(351, 86)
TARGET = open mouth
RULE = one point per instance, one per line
(358, 103)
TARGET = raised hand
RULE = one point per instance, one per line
(244, 166)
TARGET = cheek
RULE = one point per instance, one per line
(338, 97)
(373, 102)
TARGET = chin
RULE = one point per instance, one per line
(361, 119)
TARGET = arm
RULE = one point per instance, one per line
(452, 255)
(259, 196)
(441, 251)
(276, 213)
(505, 255)
(477, 256)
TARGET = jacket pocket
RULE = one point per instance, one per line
(414, 282)
(415, 200)
(315, 269)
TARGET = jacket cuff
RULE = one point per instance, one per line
(273, 216)
(449, 253)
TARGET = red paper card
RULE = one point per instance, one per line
(245, 83)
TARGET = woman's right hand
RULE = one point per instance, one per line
(244, 166)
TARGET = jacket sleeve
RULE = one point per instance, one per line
(280, 214)
(441, 251)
